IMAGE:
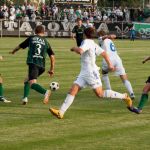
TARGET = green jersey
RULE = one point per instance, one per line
(38, 49)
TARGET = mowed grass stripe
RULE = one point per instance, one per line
(90, 123)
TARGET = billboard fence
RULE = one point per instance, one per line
(63, 29)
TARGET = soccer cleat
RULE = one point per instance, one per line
(24, 101)
(56, 113)
(128, 100)
(46, 97)
(135, 110)
(3, 99)
(132, 96)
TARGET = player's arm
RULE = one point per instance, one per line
(23, 45)
(73, 34)
(77, 50)
(52, 60)
(15, 50)
(145, 60)
(107, 59)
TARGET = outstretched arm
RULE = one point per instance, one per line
(145, 60)
(15, 50)
(77, 50)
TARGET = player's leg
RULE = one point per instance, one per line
(26, 91)
(1, 87)
(114, 95)
(67, 102)
(144, 96)
(35, 72)
(128, 85)
(2, 98)
(76, 87)
(95, 83)
(121, 72)
(106, 80)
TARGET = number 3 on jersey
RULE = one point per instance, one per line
(38, 46)
(112, 47)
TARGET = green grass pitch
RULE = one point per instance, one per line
(90, 123)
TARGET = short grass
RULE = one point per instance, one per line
(90, 123)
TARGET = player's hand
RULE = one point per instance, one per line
(72, 49)
(1, 57)
(112, 68)
(143, 61)
(51, 73)
(12, 52)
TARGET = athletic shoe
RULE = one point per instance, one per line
(3, 99)
(132, 96)
(56, 113)
(46, 97)
(128, 100)
(24, 101)
(135, 110)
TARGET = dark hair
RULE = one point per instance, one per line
(89, 32)
(101, 33)
(78, 19)
(39, 29)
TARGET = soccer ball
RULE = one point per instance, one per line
(54, 86)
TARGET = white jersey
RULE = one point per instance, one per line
(89, 74)
(111, 50)
(108, 46)
(88, 57)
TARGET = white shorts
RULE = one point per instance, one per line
(117, 63)
(91, 79)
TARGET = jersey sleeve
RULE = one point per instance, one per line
(25, 43)
(84, 45)
(98, 50)
(74, 29)
(49, 50)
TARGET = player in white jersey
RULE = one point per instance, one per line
(106, 43)
(89, 74)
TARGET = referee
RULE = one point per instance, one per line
(78, 32)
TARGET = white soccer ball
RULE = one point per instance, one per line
(54, 86)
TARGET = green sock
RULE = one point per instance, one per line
(38, 88)
(26, 89)
(1, 90)
(143, 100)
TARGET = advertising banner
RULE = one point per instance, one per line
(64, 29)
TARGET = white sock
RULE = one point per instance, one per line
(113, 94)
(68, 101)
(105, 78)
(128, 86)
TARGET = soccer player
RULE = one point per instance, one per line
(144, 96)
(38, 48)
(89, 74)
(2, 98)
(78, 31)
(105, 41)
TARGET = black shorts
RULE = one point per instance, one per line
(148, 80)
(79, 41)
(34, 71)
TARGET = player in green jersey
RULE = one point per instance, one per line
(78, 31)
(38, 48)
